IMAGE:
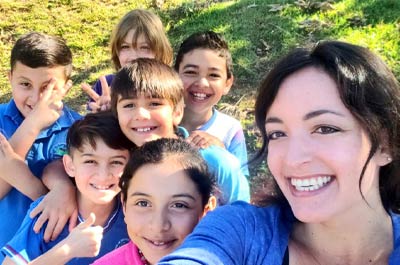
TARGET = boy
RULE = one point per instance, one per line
(204, 64)
(147, 98)
(35, 122)
(97, 154)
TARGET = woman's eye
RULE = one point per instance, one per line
(326, 130)
(275, 135)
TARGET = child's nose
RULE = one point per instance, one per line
(160, 221)
(203, 82)
(142, 113)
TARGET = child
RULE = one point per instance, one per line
(139, 34)
(166, 190)
(204, 64)
(97, 154)
(147, 97)
(36, 123)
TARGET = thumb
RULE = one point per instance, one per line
(88, 222)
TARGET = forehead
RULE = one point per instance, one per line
(306, 90)
(205, 58)
(39, 74)
(101, 149)
(163, 179)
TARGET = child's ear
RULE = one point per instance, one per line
(228, 85)
(211, 205)
(177, 114)
(9, 75)
(69, 165)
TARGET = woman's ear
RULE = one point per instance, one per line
(383, 153)
(211, 205)
(69, 165)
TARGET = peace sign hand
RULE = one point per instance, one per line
(101, 102)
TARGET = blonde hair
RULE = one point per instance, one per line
(144, 23)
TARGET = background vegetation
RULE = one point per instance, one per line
(258, 32)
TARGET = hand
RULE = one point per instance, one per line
(101, 102)
(58, 206)
(49, 107)
(85, 239)
(203, 140)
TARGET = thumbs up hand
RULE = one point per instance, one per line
(85, 239)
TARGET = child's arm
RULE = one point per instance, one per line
(100, 102)
(83, 241)
(59, 205)
(203, 139)
(15, 173)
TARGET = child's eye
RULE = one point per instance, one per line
(118, 163)
(25, 84)
(180, 205)
(128, 106)
(326, 129)
(144, 48)
(124, 47)
(142, 204)
(190, 73)
(155, 104)
(89, 162)
(215, 76)
(275, 135)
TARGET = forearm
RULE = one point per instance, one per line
(54, 176)
(24, 137)
(20, 177)
(59, 254)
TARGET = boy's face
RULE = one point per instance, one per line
(144, 119)
(128, 52)
(204, 77)
(162, 207)
(96, 171)
(28, 83)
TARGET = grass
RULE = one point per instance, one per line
(258, 32)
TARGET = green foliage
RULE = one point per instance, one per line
(258, 32)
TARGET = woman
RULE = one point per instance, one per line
(329, 118)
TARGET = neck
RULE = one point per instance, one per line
(360, 236)
(193, 120)
(101, 211)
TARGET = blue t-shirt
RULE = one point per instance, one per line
(26, 245)
(245, 234)
(48, 146)
(233, 184)
(230, 132)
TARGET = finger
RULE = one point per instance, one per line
(66, 88)
(40, 221)
(90, 92)
(105, 89)
(94, 107)
(72, 220)
(58, 228)
(51, 224)
(48, 91)
(88, 222)
(37, 210)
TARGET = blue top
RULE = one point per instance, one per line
(226, 169)
(230, 132)
(48, 146)
(26, 245)
(245, 234)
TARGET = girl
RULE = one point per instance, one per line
(330, 119)
(165, 190)
(139, 34)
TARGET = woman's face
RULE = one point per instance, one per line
(317, 149)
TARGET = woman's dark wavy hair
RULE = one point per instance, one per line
(157, 151)
(366, 87)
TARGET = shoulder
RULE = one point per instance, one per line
(226, 118)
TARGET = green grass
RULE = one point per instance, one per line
(258, 32)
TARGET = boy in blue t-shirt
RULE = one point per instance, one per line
(97, 154)
(204, 64)
(35, 122)
(147, 97)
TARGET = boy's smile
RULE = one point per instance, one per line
(28, 84)
(144, 119)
